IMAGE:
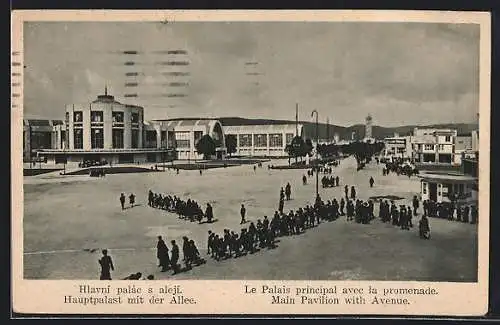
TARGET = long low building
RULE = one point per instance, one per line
(263, 140)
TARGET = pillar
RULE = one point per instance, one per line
(86, 127)
(127, 129)
(141, 129)
(107, 117)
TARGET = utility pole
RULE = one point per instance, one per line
(296, 119)
(317, 141)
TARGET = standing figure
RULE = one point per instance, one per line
(209, 214)
(415, 205)
(175, 257)
(304, 180)
(424, 229)
(243, 212)
(131, 199)
(337, 181)
(106, 265)
(371, 181)
(288, 191)
(122, 201)
(353, 193)
(162, 254)
(346, 191)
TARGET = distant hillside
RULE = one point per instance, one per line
(378, 132)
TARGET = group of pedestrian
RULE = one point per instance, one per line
(330, 181)
(188, 210)
(451, 211)
(285, 194)
(131, 200)
(191, 255)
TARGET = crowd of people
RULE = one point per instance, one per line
(330, 181)
(188, 210)
(263, 233)
(451, 211)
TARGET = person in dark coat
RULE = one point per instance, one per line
(162, 254)
(415, 205)
(243, 212)
(371, 181)
(424, 229)
(304, 180)
(131, 199)
(122, 201)
(209, 214)
(353, 193)
(337, 181)
(175, 257)
(346, 191)
(106, 265)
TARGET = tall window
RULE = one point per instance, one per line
(447, 138)
(96, 116)
(276, 140)
(135, 117)
(117, 117)
(164, 139)
(78, 138)
(118, 138)
(135, 139)
(96, 138)
(429, 147)
(245, 140)
(260, 140)
(78, 116)
(289, 138)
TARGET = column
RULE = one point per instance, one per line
(157, 127)
(108, 125)
(237, 144)
(86, 127)
(127, 129)
(141, 128)
(70, 130)
(253, 146)
(268, 150)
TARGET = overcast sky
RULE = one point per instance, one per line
(400, 73)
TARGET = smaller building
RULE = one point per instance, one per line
(433, 145)
(443, 187)
(397, 147)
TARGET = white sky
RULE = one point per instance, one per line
(400, 73)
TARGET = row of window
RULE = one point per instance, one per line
(97, 138)
(97, 117)
(260, 140)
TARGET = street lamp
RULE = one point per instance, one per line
(317, 141)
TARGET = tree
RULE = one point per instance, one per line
(206, 146)
(231, 143)
(298, 148)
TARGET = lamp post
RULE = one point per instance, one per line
(317, 141)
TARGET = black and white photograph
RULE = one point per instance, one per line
(250, 150)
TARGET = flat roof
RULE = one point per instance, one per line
(449, 177)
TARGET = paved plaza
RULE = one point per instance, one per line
(68, 220)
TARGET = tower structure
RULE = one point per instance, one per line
(368, 127)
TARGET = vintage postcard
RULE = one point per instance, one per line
(250, 162)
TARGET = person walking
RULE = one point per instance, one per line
(371, 181)
(162, 254)
(131, 199)
(175, 257)
(106, 264)
(122, 201)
